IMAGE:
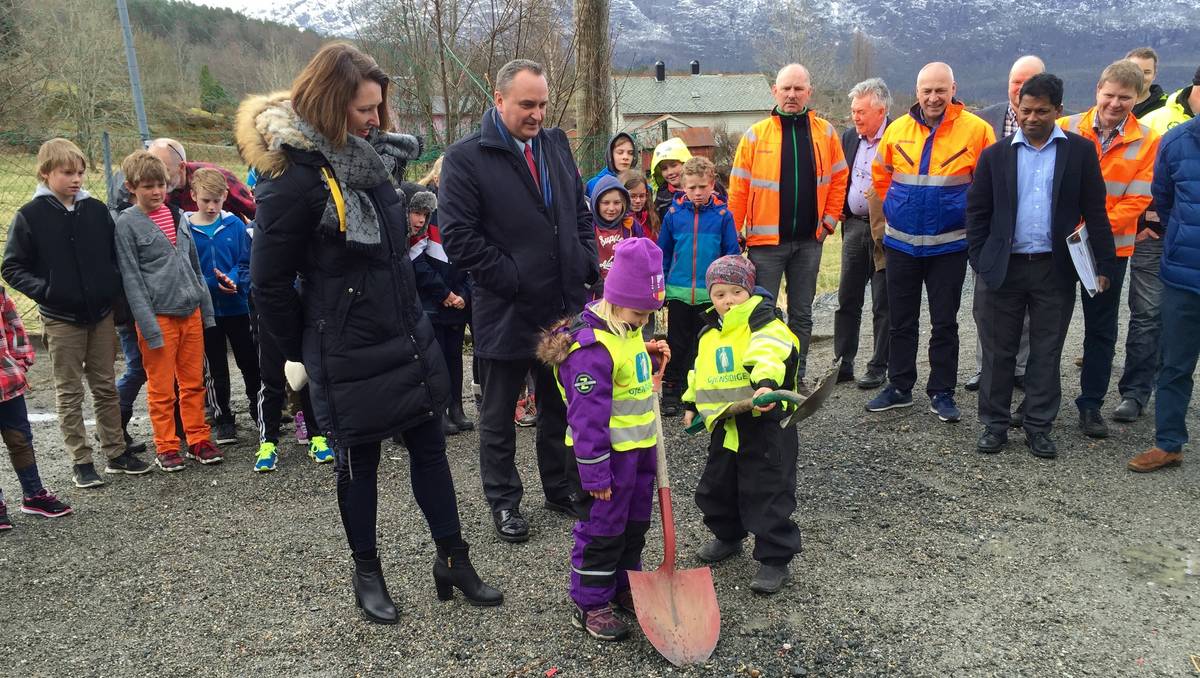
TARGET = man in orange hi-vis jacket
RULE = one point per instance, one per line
(1127, 150)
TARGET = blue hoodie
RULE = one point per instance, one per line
(691, 239)
(224, 245)
(609, 170)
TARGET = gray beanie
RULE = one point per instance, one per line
(424, 202)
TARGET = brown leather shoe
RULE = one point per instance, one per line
(1154, 459)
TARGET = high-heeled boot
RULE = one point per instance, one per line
(459, 418)
(370, 592)
(453, 570)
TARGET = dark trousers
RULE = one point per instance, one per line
(272, 394)
(18, 438)
(450, 340)
(1180, 349)
(858, 271)
(501, 382)
(1101, 314)
(754, 489)
(358, 492)
(134, 377)
(942, 277)
(1033, 289)
(684, 323)
(234, 330)
(1145, 322)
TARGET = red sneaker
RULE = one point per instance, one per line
(205, 453)
(169, 462)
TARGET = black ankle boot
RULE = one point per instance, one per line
(130, 446)
(453, 570)
(448, 426)
(370, 592)
(459, 418)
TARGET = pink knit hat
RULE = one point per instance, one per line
(636, 277)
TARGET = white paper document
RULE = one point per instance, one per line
(1081, 256)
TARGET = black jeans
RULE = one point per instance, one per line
(501, 382)
(1100, 328)
(684, 323)
(450, 340)
(858, 271)
(234, 329)
(272, 394)
(1032, 289)
(754, 489)
(429, 472)
(942, 277)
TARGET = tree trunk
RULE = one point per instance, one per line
(593, 68)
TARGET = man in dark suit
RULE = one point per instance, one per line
(1003, 119)
(1030, 192)
(862, 256)
(513, 215)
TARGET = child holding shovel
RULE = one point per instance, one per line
(604, 372)
(749, 480)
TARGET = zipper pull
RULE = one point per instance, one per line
(321, 326)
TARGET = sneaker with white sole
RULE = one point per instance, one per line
(889, 399)
(225, 433)
(944, 407)
(169, 462)
(44, 504)
(600, 623)
(5, 521)
(319, 450)
(127, 462)
(205, 453)
(265, 460)
(85, 475)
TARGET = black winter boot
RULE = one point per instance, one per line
(460, 418)
(370, 592)
(130, 446)
(453, 570)
(448, 426)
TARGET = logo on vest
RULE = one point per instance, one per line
(642, 365)
(584, 383)
(724, 359)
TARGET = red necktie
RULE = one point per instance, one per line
(532, 165)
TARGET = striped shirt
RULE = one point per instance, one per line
(165, 222)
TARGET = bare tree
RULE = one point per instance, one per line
(797, 34)
(279, 66)
(862, 58)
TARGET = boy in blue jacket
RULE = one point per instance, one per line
(223, 247)
(697, 229)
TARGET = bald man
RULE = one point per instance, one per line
(786, 192)
(922, 171)
(239, 201)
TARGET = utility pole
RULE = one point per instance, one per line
(135, 76)
(593, 67)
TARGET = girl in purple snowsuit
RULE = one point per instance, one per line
(604, 372)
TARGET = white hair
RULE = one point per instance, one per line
(875, 87)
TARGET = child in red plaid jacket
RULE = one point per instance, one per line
(16, 356)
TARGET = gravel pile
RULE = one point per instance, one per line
(921, 557)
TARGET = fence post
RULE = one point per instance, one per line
(109, 196)
(135, 77)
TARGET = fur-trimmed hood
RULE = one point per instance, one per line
(555, 344)
(263, 126)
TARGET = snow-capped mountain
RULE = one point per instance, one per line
(979, 38)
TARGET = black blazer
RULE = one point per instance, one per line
(1078, 195)
(850, 140)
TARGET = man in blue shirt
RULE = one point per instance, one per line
(1016, 233)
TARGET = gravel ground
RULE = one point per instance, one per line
(921, 557)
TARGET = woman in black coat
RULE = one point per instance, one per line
(329, 214)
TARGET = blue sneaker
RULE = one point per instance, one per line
(889, 399)
(943, 406)
(318, 449)
(266, 458)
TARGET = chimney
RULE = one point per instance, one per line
(695, 67)
(660, 71)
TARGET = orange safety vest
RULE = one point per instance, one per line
(754, 179)
(1128, 169)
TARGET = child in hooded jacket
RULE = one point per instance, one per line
(622, 155)
(666, 171)
(697, 229)
(749, 480)
(613, 224)
(604, 371)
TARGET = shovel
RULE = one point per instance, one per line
(806, 405)
(677, 609)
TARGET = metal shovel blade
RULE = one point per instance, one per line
(677, 609)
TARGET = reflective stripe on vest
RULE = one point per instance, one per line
(931, 180)
(1123, 240)
(925, 240)
(631, 425)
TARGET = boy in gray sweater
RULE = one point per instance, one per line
(160, 272)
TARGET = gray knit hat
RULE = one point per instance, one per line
(424, 202)
(731, 269)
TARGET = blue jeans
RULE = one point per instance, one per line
(134, 377)
(1179, 350)
(1145, 323)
